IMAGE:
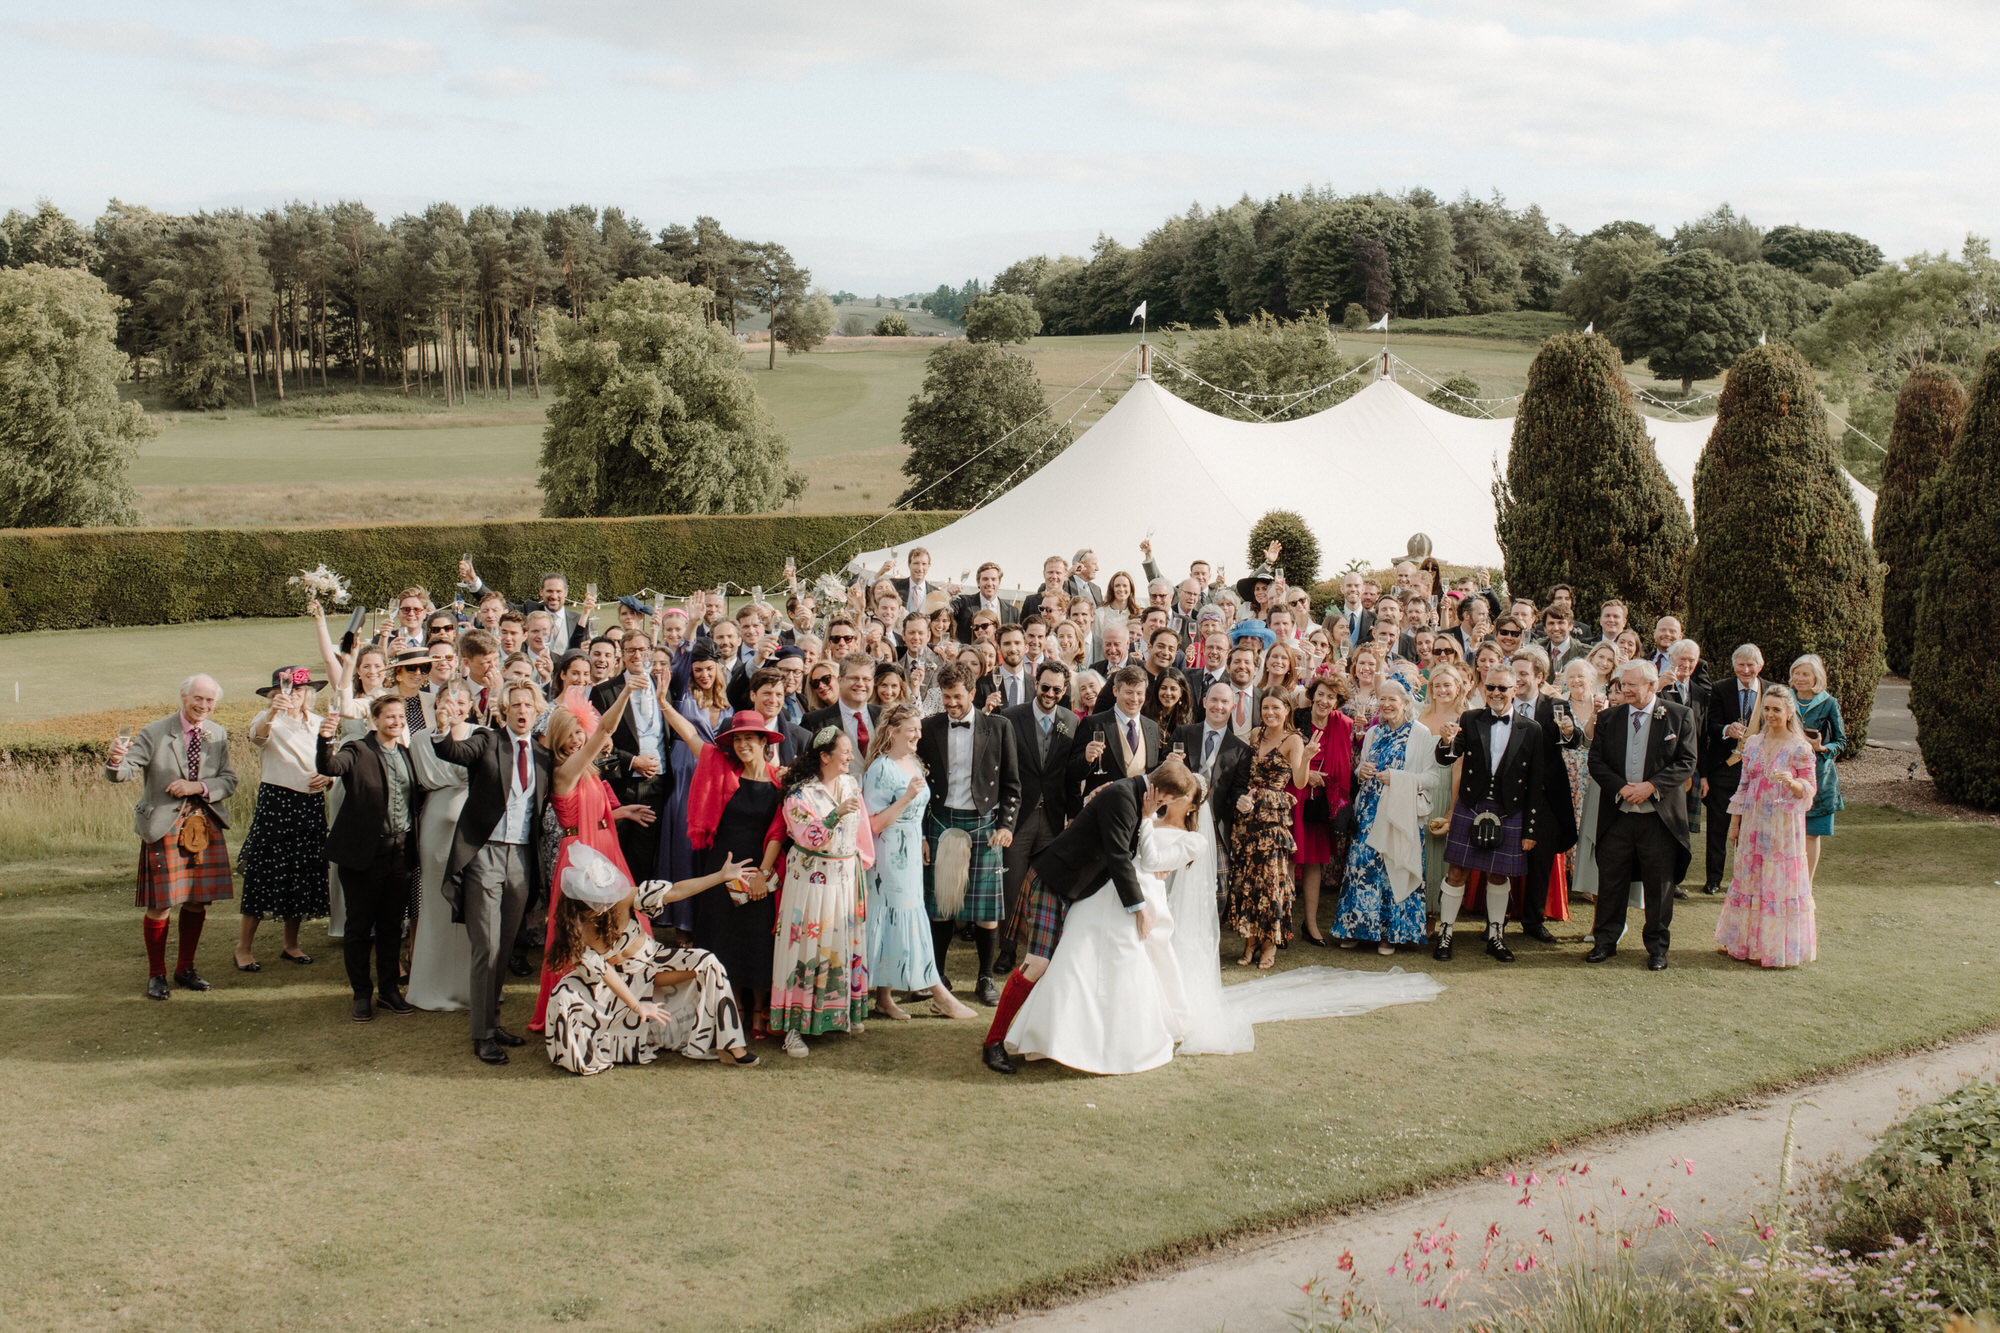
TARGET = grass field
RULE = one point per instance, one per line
(248, 1159)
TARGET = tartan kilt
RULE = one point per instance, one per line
(169, 877)
(984, 889)
(1038, 914)
(1506, 860)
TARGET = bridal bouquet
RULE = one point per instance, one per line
(322, 583)
(829, 589)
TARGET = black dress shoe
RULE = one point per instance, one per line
(489, 1050)
(506, 1038)
(1599, 953)
(395, 1003)
(996, 1059)
(363, 1011)
(1443, 951)
(1657, 963)
(1680, 892)
(1497, 950)
(1542, 933)
(987, 992)
(517, 966)
(190, 980)
(1315, 941)
(1711, 889)
(157, 989)
(1005, 963)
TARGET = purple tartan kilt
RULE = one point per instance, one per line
(1505, 860)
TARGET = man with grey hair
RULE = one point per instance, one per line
(1641, 757)
(1082, 570)
(183, 760)
(1732, 705)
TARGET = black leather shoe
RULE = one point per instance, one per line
(1443, 951)
(996, 1059)
(1680, 892)
(987, 992)
(1657, 963)
(1711, 889)
(1542, 933)
(489, 1050)
(517, 966)
(1599, 953)
(190, 980)
(363, 1011)
(1005, 963)
(1497, 950)
(1315, 941)
(506, 1038)
(157, 989)
(395, 1003)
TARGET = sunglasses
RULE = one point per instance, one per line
(840, 638)
(1507, 634)
(822, 680)
(1499, 689)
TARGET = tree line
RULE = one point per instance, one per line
(219, 305)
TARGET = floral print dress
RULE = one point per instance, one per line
(1768, 915)
(1261, 851)
(1368, 907)
(589, 1029)
(819, 968)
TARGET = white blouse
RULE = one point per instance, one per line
(290, 750)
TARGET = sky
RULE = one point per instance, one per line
(896, 144)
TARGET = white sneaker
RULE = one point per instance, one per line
(795, 1046)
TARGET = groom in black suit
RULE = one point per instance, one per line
(1096, 849)
(1641, 758)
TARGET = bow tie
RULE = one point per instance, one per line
(967, 724)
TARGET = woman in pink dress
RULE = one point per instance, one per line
(1768, 916)
(585, 807)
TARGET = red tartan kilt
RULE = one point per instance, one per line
(169, 877)
(1037, 917)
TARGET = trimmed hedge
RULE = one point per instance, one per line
(77, 578)
(1928, 412)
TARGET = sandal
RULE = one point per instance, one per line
(1270, 958)
(747, 1060)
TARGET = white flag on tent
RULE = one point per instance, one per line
(1590, 327)
(1760, 337)
(1382, 323)
(1138, 314)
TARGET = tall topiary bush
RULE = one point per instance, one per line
(1585, 500)
(1928, 412)
(1781, 559)
(1298, 553)
(1955, 665)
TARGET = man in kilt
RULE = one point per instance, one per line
(183, 760)
(974, 774)
(1096, 849)
(1493, 824)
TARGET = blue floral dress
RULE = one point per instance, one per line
(900, 953)
(1368, 910)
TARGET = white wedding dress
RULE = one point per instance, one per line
(441, 955)
(1111, 1003)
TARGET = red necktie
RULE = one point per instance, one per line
(861, 730)
(521, 762)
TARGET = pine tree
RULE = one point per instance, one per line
(1928, 410)
(1780, 558)
(1955, 665)
(1585, 500)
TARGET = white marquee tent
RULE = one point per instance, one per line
(1366, 474)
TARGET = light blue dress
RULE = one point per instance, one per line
(900, 953)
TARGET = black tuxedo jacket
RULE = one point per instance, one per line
(996, 771)
(1670, 751)
(1097, 848)
(1725, 701)
(1044, 777)
(1557, 818)
(631, 788)
(1694, 697)
(966, 603)
(1518, 785)
(1228, 779)
(1104, 726)
(487, 756)
(356, 835)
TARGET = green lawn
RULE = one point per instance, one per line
(249, 1159)
(60, 672)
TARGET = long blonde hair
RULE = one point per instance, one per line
(894, 716)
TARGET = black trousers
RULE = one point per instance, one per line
(1635, 846)
(1535, 889)
(376, 900)
(1716, 836)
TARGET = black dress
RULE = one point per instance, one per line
(739, 936)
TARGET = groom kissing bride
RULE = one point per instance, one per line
(1115, 1005)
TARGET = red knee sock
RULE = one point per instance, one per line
(191, 923)
(156, 945)
(1011, 1000)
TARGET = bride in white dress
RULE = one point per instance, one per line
(1112, 1003)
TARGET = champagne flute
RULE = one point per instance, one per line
(590, 593)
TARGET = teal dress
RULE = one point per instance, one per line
(900, 953)
(1821, 713)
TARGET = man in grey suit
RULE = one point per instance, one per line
(183, 759)
(1642, 754)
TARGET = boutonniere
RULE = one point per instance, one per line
(1062, 728)
(1658, 712)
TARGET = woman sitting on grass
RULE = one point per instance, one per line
(626, 997)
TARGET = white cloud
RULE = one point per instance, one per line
(326, 59)
(269, 100)
(502, 81)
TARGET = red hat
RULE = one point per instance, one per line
(747, 722)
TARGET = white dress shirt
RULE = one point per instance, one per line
(958, 763)
(513, 825)
(1497, 736)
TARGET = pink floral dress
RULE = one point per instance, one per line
(1768, 916)
(819, 966)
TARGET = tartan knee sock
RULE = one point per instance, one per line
(986, 939)
(191, 923)
(1011, 1000)
(155, 931)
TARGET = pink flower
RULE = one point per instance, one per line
(1527, 1265)
(1346, 1264)
(1666, 1218)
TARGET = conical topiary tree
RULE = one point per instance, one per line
(1955, 666)
(1928, 410)
(1585, 500)
(1780, 557)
